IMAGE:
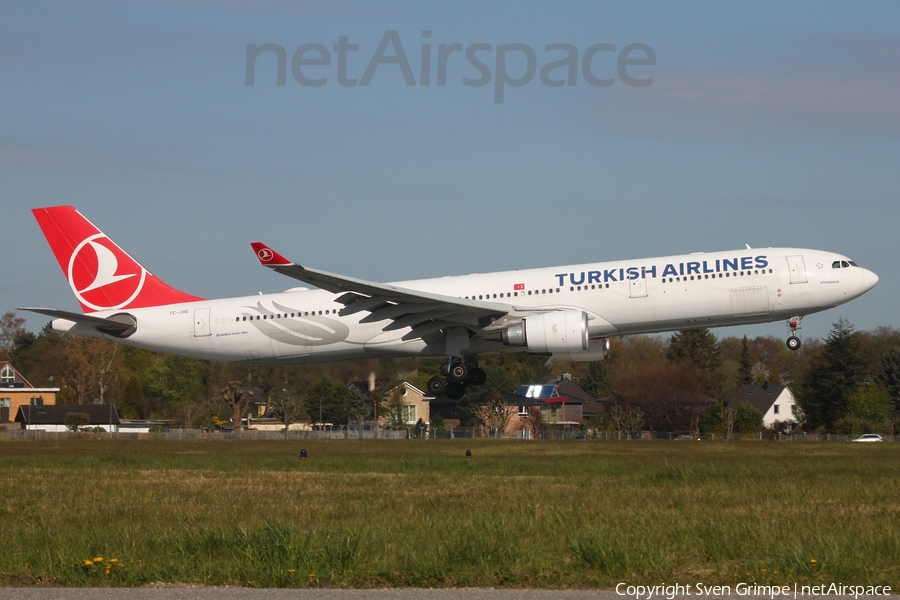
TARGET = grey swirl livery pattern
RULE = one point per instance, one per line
(298, 331)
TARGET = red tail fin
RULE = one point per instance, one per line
(101, 274)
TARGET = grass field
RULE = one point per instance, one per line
(418, 513)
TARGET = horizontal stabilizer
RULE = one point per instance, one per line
(120, 325)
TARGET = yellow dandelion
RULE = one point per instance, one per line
(312, 575)
(98, 559)
(814, 561)
(763, 570)
(114, 561)
(87, 562)
(292, 571)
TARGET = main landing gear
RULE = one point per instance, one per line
(459, 375)
(793, 324)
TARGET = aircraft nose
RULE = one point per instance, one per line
(869, 278)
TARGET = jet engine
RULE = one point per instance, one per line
(597, 349)
(550, 332)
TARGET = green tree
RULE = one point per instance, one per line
(598, 380)
(132, 399)
(889, 375)
(700, 348)
(42, 359)
(745, 368)
(11, 327)
(177, 380)
(94, 368)
(711, 419)
(747, 418)
(831, 377)
(328, 402)
(359, 405)
(871, 403)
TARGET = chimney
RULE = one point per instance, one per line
(372, 381)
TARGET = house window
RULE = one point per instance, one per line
(7, 375)
(776, 409)
(37, 401)
(4, 402)
(408, 413)
(523, 410)
(524, 434)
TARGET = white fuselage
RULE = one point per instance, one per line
(623, 297)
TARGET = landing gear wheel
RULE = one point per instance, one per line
(436, 386)
(793, 343)
(477, 376)
(455, 390)
(459, 372)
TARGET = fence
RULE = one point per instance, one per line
(371, 431)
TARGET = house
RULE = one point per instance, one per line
(411, 402)
(556, 409)
(566, 386)
(16, 391)
(53, 417)
(559, 402)
(775, 402)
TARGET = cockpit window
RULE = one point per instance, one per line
(845, 264)
(836, 264)
(853, 264)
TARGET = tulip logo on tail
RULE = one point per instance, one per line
(265, 255)
(102, 276)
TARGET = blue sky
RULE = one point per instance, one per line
(769, 124)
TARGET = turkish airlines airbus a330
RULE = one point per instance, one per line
(568, 312)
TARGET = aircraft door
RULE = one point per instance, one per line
(638, 288)
(797, 269)
(201, 322)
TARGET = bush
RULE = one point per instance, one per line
(74, 420)
(748, 419)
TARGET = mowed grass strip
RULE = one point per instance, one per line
(418, 513)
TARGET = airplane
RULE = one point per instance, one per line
(567, 312)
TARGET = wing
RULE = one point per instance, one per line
(427, 314)
(120, 325)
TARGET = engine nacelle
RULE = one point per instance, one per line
(597, 350)
(558, 331)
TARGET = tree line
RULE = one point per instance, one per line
(847, 383)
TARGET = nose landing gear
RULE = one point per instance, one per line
(459, 375)
(793, 324)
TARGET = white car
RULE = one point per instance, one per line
(869, 437)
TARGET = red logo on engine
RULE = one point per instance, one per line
(103, 276)
(265, 255)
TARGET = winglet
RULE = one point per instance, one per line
(268, 257)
